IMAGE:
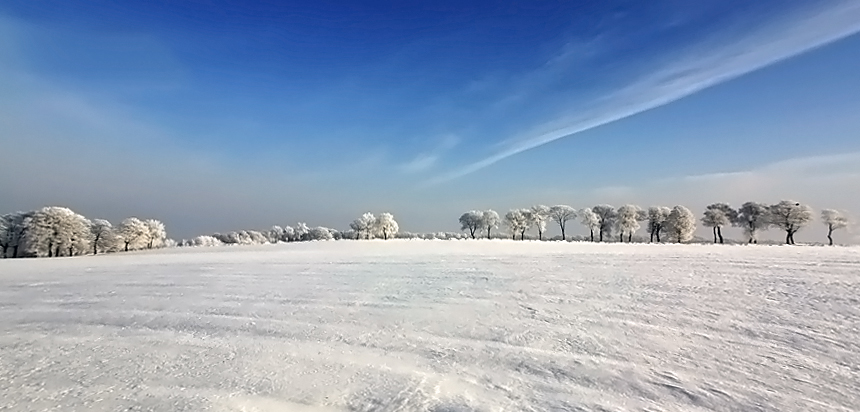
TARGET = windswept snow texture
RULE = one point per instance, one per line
(434, 326)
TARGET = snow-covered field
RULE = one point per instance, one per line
(434, 326)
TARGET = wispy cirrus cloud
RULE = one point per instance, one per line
(711, 63)
(426, 160)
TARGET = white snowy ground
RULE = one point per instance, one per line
(434, 326)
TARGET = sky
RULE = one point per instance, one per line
(223, 115)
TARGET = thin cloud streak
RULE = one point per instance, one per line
(683, 77)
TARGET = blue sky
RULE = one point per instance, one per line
(224, 115)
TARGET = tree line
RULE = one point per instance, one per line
(678, 223)
(58, 231)
(367, 226)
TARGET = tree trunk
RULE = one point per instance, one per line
(652, 236)
(829, 236)
(621, 237)
(592, 235)
(488, 232)
(57, 252)
(630, 237)
(514, 236)
(562, 234)
(787, 238)
(126, 246)
(15, 252)
(715, 234)
(540, 235)
(5, 247)
(50, 249)
(523, 235)
(720, 234)
(472, 232)
(601, 234)
(658, 235)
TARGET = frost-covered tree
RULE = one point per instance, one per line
(606, 216)
(752, 217)
(590, 220)
(242, 237)
(834, 220)
(203, 241)
(789, 216)
(134, 233)
(289, 234)
(320, 233)
(538, 216)
(518, 221)
(102, 236)
(490, 220)
(561, 214)
(156, 234)
(681, 224)
(718, 215)
(3, 228)
(657, 216)
(627, 220)
(472, 221)
(57, 230)
(385, 225)
(13, 232)
(276, 234)
(363, 225)
(300, 232)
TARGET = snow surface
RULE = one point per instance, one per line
(434, 326)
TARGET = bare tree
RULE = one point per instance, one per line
(561, 214)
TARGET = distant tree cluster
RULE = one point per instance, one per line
(277, 234)
(367, 226)
(676, 224)
(58, 231)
